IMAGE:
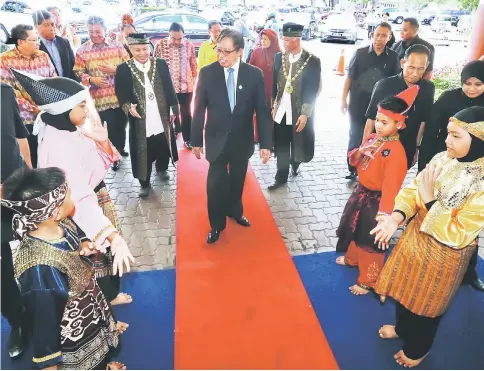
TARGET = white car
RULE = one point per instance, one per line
(12, 13)
(442, 23)
(339, 27)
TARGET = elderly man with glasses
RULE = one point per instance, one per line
(25, 57)
(95, 66)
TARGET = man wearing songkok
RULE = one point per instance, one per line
(296, 81)
(146, 94)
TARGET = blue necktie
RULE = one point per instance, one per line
(231, 88)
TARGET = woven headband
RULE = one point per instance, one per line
(37, 210)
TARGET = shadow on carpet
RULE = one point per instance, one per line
(148, 342)
(351, 323)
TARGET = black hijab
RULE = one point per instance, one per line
(60, 122)
(470, 116)
(473, 69)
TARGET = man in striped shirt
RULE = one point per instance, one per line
(96, 63)
(179, 54)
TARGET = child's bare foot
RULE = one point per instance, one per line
(122, 326)
(404, 361)
(122, 298)
(341, 260)
(116, 366)
(358, 290)
(388, 332)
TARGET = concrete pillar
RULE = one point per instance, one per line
(476, 42)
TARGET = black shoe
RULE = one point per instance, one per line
(295, 170)
(276, 185)
(15, 342)
(242, 220)
(115, 166)
(163, 174)
(351, 176)
(145, 191)
(124, 153)
(213, 235)
(188, 145)
(477, 284)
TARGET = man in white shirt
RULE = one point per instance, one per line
(146, 94)
(296, 84)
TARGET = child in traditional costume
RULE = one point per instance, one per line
(71, 323)
(445, 203)
(381, 165)
(72, 138)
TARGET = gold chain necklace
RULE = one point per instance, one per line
(133, 68)
(289, 80)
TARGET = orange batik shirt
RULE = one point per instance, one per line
(385, 172)
(88, 58)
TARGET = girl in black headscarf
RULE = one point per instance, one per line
(450, 102)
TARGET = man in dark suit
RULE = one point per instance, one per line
(228, 92)
(58, 48)
(14, 147)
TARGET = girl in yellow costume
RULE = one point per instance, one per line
(425, 270)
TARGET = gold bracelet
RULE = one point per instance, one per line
(102, 231)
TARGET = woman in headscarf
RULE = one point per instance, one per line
(263, 57)
(84, 153)
(450, 102)
(426, 267)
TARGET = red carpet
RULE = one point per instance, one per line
(240, 303)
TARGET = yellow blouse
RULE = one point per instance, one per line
(457, 216)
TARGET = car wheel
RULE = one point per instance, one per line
(399, 20)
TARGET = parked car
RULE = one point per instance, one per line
(305, 19)
(339, 27)
(465, 24)
(226, 17)
(397, 15)
(442, 23)
(12, 13)
(157, 24)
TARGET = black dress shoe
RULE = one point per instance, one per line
(477, 284)
(242, 220)
(163, 174)
(276, 185)
(124, 153)
(351, 176)
(145, 191)
(188, 145)
(15, 342)
(115, 166)
(295, 170)
(213, 235)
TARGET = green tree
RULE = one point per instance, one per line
(469, 4)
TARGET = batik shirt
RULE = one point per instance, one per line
(88, 59)
(181, 61)
(38, 64)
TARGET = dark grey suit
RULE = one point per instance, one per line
(229, 136)
(66, 56)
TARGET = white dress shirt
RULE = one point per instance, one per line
(154, 125)
(285, 107)
(236, 75)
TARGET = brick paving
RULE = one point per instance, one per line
(307, 211)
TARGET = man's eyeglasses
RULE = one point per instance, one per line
(224, 52)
